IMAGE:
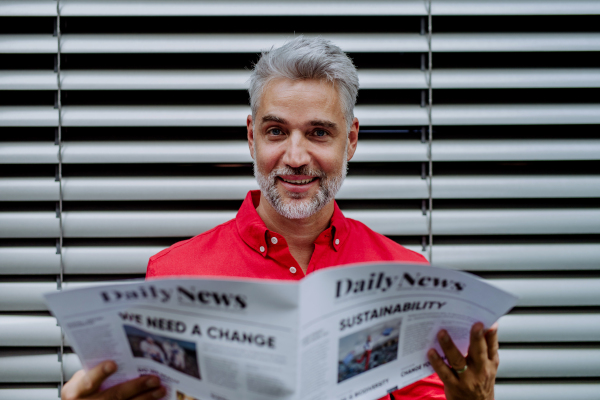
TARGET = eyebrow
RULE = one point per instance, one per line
(273, 118)
(327, 124)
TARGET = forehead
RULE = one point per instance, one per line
(305, 99)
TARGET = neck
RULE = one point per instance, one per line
(298, 233)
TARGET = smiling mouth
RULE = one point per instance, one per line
(298, 182)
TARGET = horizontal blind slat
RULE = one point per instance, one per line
(253, 43)
(28, 394)
(29, 366)
(387, 222)
(29, 331)
(515, 42)
(244, 8)
(29, 260)
(549, 328)
(516, 114)
(297, 8)
(187, 188)
(28, 116)
(234, 151)
(518, 257)
(476, 257)
(238, 80)
(547, 391)
(512, 150)
(369, 115)
(231, 43)
(489, 187)
(547, 363)
(516, 221)
(185, 152)
(550, 292)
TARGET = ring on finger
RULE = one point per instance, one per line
(461, 370)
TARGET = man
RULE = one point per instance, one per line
(366, 356)
(301, 134)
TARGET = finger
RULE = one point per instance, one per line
(131, 389)
(491, 338)
(440, 367)
(152, 395)
(478, 350)
(90, 381)
(69, 390)
(453, 355)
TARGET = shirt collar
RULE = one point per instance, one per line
(250, 226)
(254, 232)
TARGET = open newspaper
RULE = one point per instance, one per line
(357, 332)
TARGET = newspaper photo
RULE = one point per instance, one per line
(357, 332)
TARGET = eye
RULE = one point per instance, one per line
(321, 133)
(275, 132)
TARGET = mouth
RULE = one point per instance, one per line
(298, 183)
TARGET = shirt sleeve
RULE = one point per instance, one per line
(150, 271)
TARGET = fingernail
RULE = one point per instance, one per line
(88, 383)
(157, 394)
(433, 354)
(444, 337)
(480, 332)
(152, 382)
(109, 368)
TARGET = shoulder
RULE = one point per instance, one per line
(385, 246)
(180, 258)
(195, 243)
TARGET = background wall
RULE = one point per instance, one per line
(152, 151)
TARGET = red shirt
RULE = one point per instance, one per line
(244, 247)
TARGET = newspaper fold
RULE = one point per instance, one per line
(357, 332)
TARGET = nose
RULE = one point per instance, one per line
(297, 152)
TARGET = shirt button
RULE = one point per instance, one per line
(262, 249)
(337, 241)
(293, 270)
(274, 240)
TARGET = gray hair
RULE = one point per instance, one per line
(307, 58)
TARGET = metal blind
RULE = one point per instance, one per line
(123, 131)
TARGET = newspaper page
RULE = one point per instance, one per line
(365, 330)
(204, 338)
(356, 332)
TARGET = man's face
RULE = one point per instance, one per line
(300, 145)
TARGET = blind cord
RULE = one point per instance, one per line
(429, 149)
(60, 188)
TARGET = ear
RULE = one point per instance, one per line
(250, 131)
(353, 138)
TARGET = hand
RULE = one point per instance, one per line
(477, 381)
(86, 386)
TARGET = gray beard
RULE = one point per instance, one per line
(300, 205)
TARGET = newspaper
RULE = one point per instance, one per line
(357, 332)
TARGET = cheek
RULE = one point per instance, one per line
(267, 158)
(330, 161)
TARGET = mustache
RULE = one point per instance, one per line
(304, 170)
